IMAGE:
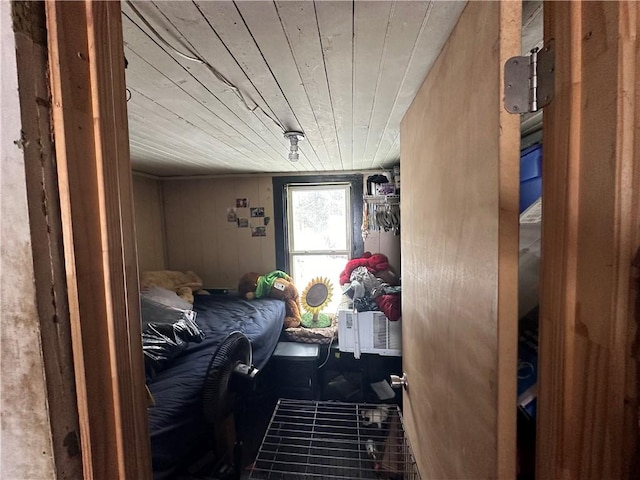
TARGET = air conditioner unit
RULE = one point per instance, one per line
(369, 332)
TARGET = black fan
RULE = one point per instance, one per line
(230, 364)
(229, 368)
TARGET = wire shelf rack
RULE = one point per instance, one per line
(333, 440)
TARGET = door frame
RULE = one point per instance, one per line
(86, 38)
(86, 62)
(588, 369)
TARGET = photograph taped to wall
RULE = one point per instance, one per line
(243, 222)
(232, 216)
(242, 202)
(256, 211)
(258, 231)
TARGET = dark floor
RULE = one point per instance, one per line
(252, 415)
(252, 420)
(341, 379)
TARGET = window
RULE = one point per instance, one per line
(319, 218)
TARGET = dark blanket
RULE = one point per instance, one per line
(175, 422)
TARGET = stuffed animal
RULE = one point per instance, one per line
(276, 284)
(375, 416)
(375, 263)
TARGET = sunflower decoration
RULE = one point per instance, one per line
(315, 297)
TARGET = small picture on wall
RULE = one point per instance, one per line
(243, 222)
(242, 202)
(257, 211)
(258, 231)
(232, 216)
(267, 220)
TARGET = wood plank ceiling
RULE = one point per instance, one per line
(342, 72)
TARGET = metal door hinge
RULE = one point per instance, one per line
(529, 81)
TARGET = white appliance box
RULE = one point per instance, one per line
(369, 332)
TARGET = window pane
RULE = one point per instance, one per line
(307, 267)
(319, 219)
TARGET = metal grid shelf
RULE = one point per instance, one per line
(332, 440)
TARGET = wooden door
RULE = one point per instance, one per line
(459, 170)
(588, 376)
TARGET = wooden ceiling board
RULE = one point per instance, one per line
(195, 89)
(371, 23)
(301, 28)
(172, 157)
(174, 89)
(335, 24)
(228, 26)
(147, 163)
(233, 29)
(391, 154)
(405, 24)
(263, 19)
(148, 155)
(342, 72)
(192, 148)
(184, 114)
(218, 32)
(196, 29)
(148, 114)
(182, 149)
(145, 141)
(433, 35)
(164, 84)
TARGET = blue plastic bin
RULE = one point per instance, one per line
(530, 176)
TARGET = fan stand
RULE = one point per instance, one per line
(225, 439)
(229, 365)
(223, 458)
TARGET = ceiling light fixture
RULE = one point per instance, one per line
(293, 137)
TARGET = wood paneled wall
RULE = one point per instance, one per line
(147, 197)
(199, 236)
(387, 243)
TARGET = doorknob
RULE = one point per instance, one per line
(397, 382)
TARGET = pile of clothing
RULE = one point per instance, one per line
(373, 285)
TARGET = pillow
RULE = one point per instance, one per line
(166, 332)
(183, 283)
(165, 297)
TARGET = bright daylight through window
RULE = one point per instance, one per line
(319, 234)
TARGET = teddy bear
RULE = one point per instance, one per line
(276, 284)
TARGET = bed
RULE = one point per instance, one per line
(176, 424)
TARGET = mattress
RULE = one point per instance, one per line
(176, 424)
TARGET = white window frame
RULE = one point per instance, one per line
(290, 240)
